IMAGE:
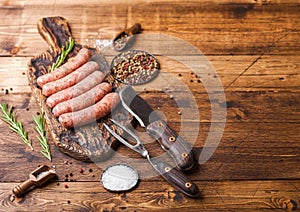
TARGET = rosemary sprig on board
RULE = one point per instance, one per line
(65, 50)
(11, 118)
(39, 122)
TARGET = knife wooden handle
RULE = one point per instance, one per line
(175, 177)
(172, 143)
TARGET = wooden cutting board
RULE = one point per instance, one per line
(90, 143)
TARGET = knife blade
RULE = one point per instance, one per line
(173, 144)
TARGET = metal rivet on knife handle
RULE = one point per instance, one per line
(184, 155)
(188, 185)
(172, 139)
(167, 169)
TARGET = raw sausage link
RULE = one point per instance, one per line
(82, 57)
(84, 100)
(90, 114)
(71, 79)
(84, 85)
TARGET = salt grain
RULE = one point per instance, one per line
(119, 178)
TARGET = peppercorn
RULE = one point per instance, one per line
(134, 67)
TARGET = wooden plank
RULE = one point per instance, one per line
(245, 152)
(214, 28)
(240, 107)
(269, 73)
(255, 138)
(221, 196)
(95, 2)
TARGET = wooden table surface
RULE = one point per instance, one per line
(254, 48)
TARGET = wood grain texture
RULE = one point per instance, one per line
(221, 196)
(253, 46)
(252, 141)
(275, 73)
(230, 27)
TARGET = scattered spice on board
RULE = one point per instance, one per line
(134, 67)
(121, 41)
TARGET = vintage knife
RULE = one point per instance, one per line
(157, 128)
(172, 175)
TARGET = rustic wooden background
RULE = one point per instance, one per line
(254, 48)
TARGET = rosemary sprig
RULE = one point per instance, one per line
(65, 50)
(39, 122)
(11, 118)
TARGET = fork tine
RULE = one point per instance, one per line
(117, 136)
(131, 133)
(138, 147)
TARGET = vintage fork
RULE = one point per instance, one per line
(172, 175)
